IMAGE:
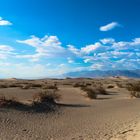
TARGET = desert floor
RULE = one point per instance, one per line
(110, 117)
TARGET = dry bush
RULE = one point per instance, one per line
(9, 85)
(79, 84)
(76, 85)
(12, 102)
(110, 86)
(54, 86)
(134, 89)
(46, 96)
(35, 85)
(45, 101)
(102, 90)
(42, 102)
(27, 86)
(121, 85)
(88, 84)
(13, 85)
(30, 85)
(91, 92)
(3, 86)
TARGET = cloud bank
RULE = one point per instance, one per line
(50, 58)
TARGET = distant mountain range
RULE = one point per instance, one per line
(108, 73)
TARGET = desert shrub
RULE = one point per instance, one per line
(13, 85)
(68, 78)
(88, 84)
(121, 85)
(54, 86)
(42, 102)
(91, 92)
(27, 86)
(79, 84)
(110, 86)
(134, 89)
(46, 96)
(67, 83)
(102, 90)
(3, 86)
(45, 101)
(12, 102)
(76, 85)
(98, 83)
(35, 85)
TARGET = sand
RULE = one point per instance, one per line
(110, 117)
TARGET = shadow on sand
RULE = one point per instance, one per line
(103, 98)
(40, 107)
(34, 108)
(72, 105)
(112, 93)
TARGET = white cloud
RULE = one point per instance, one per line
(6, 51)
(70, 60)
(6, 48)
(61, 65)
(91, 48)
(105, 54)
(87, 60)
(29, 70)
(112, 54)
(109, 26)
(47, 46)
(96, 66)
(4, 22)
(107, 41)
(74, 50)
(51, 46)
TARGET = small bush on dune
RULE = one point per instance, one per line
(46, 96)
(88, 84)
(91, 92)
(35, 85)
(102, 90)
(121, 85)
(27, 86)
(76, 85)
(79, 84)
(3, 86)
(134, 90)
(42, 102)
(12, 85)
(50, 87)
(12, 102)
(135, 94)
(110, 86)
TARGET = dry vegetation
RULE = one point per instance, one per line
(110, 86)
(50, 86)
(42, 102)
(92, 89)
(12, 102)
(134, 89)
(46, 96)
(91, 92)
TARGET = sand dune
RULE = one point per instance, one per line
(112, 116)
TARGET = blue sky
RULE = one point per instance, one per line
(47, 38)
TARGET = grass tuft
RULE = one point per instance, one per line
(134, 90)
